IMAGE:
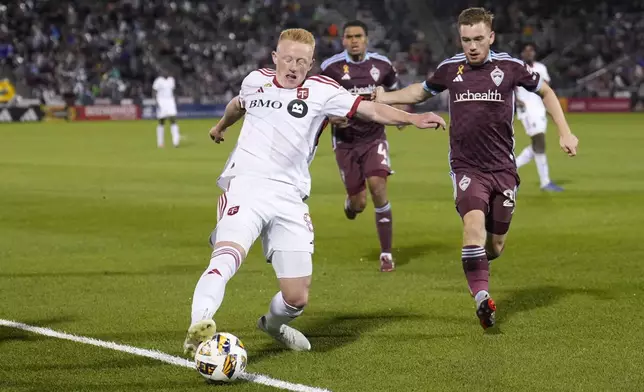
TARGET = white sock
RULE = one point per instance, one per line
(160, 131)
(526, 156)
(174, 129)
(279, 312)
(542, 168)
(209, 292)
(481, 296)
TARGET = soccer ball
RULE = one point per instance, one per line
(222, 358)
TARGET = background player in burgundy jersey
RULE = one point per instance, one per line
(360, 146)
(481, 85)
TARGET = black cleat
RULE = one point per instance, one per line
(486, 313)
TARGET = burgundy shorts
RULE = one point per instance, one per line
(362, 161)
(494, 193)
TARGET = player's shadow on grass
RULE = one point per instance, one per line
(9, 334)
(531, 298)
(405, 254)
(327, 333)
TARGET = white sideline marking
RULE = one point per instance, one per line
(158, 355)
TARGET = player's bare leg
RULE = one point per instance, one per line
(355, 204)
(476, 266)
(290, 301)
(209, 293)
(384, 221)
(174, 130)
(160, 133)
(494, 245)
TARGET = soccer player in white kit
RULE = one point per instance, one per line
(532, 113)
(266, 181)
(163, 87)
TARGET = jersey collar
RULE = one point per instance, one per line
(487, 59)
(347, 58)
(278, 85)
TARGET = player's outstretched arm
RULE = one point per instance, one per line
(567, 140)
(411, 94)
(388, 115)
(232, 114)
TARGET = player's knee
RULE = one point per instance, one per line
(539, 143)
(474, 227)
(294, 270)
(358, 201)
(494, 246)
(378, 190)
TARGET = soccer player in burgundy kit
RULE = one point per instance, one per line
(481, 87)
(360, 146)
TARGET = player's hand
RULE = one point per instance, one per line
(340, 122)
(217, 134)
(376, 94)
(427, 120)
(569, 144)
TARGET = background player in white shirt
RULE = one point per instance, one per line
(166, 108)
(266, 181)
(532, 113)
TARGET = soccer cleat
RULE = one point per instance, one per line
(552, 187)
(486, 312)
(288, 336)
(197, 333)
(387, 263)
(351, 214)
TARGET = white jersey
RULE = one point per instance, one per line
(164, 88)
(533, 102)
(282, 127)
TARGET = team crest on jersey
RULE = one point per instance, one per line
(346, 75)
(497, 76)
(302, 92)
(375, 73)
(464, 183)
(233, 210)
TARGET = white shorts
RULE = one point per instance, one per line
(166, 108)
(534, 123)
(259, 207)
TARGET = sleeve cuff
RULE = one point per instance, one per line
(354, 107)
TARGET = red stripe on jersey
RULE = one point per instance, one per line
(354, 107)
(325, 82)
(326, 79)
(266, 72)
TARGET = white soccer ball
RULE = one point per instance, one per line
(222, 358)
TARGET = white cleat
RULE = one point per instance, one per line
(197, 333)
(288, 336)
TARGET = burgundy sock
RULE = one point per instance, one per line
(384, 225)
(476, 268)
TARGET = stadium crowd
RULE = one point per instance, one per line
(116, 48)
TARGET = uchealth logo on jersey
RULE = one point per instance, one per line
(302, 92)
(297, 108)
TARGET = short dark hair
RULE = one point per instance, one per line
(528, 44)
(474, 15)
(356, 23)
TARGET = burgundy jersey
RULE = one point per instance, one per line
(481, 108)
(360, 79)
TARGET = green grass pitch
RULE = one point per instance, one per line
(103, 235)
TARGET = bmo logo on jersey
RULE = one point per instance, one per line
(265, 103)
(297, 108)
